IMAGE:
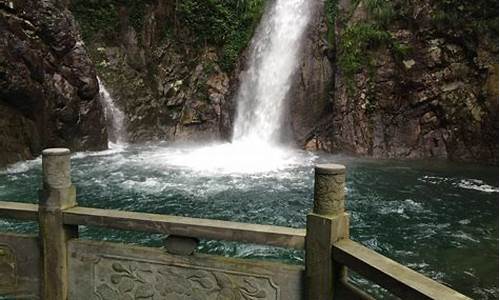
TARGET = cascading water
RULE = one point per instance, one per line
(254, 180)
(272, 62)
(261, 97)
(115, 118)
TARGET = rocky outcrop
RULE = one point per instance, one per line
(170, 87)
(48, 86)
(421, 88)
(402, 84)
(309, 96)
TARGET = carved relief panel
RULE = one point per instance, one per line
(8, 268)
(19, 266)
(116, 278)
(108, 271)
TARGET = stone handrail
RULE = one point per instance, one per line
(154, 223)
(398, 279)
(329, 252)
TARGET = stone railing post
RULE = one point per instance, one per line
(57, 194)
(327, 224)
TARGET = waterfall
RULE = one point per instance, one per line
(115, 118)
(261, 96)
(273, 60)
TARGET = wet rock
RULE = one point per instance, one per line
(409, 63)
(168, 89)
(48, 85)
(308, 99)
(440, 101)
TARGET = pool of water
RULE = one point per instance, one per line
(440, 219)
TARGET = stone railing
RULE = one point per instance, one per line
(56, 264)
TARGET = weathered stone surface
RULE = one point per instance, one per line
(308, 99)
(438, 101)
(183, 226)
(102, 270)
(329, 189)
(401, 281)
(57, 194)
(169, 88)
(19, 266)
(48, 85)
(180, 245)
(327, 224)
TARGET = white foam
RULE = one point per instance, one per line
(149, 185)
(465, 237)
(22, 166)
(477, 185)
(245, 157)
(113, 149)
(468, 184)
(464, 222)
(409, 203)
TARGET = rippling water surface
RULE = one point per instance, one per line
(437, 218)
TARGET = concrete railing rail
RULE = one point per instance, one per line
(56, 264)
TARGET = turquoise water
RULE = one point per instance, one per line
(440, 219)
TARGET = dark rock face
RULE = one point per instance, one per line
(309, 101)
(168, 89)
(48, 86)
(438, 101)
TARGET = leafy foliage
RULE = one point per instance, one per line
(381, 10)
(228, 24)
(225, 24)
(102, 16)
(356, 40)
(465, 22)
(360, 38)
(471, 20)
(331, 9)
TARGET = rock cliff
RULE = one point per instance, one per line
(414, 79)
(309, 97)
(48, 86)
(389, 79)
(171, 66)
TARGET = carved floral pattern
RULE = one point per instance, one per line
(128, 279)
(8, 268)
(329, 193)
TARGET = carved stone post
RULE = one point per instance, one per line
(327, 224)
(57, 194)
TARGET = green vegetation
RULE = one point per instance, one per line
(94, 16)
(227, 24)
(382, 11)
(331, 8)
(359, 40)
(463, 21)
(356, 40)
(472, 20)
(101, 16)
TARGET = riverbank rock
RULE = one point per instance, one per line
(309, 97)
(415, 80)
(48, 85)
(171, 86)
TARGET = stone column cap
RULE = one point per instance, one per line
(56, 152)
(330, 169)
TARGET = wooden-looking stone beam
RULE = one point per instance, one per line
(189, 227)
(19, 211)
(398, 279)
